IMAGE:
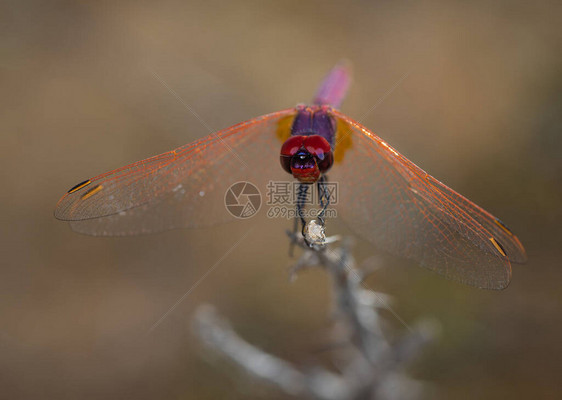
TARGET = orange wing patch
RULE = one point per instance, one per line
(344, 139)
(284, 127)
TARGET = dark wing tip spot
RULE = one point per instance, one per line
(498, 246)
(91, 192)
(503, 226)
(79, 186)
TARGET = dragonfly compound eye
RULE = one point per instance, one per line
(289, 149)
(306, 157)
(321, 150)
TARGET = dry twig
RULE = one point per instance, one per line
(374, 369)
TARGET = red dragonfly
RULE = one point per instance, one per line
(383, 196)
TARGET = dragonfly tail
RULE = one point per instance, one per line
(334, 86)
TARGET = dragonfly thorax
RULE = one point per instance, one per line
(314, 120)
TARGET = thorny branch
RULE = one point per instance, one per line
(374, 369)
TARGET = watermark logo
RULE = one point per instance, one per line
(285, 193)
(242, 200)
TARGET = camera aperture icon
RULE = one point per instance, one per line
(242, 200)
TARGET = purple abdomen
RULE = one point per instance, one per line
(334, 87)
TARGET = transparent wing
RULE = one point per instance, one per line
(400, 208)
(182, 188)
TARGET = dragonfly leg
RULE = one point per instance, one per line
(323, 198)
(302, 196)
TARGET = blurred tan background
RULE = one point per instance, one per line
(481, 110)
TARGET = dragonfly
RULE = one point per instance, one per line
(382, 196)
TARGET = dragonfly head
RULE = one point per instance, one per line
(306, 157)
